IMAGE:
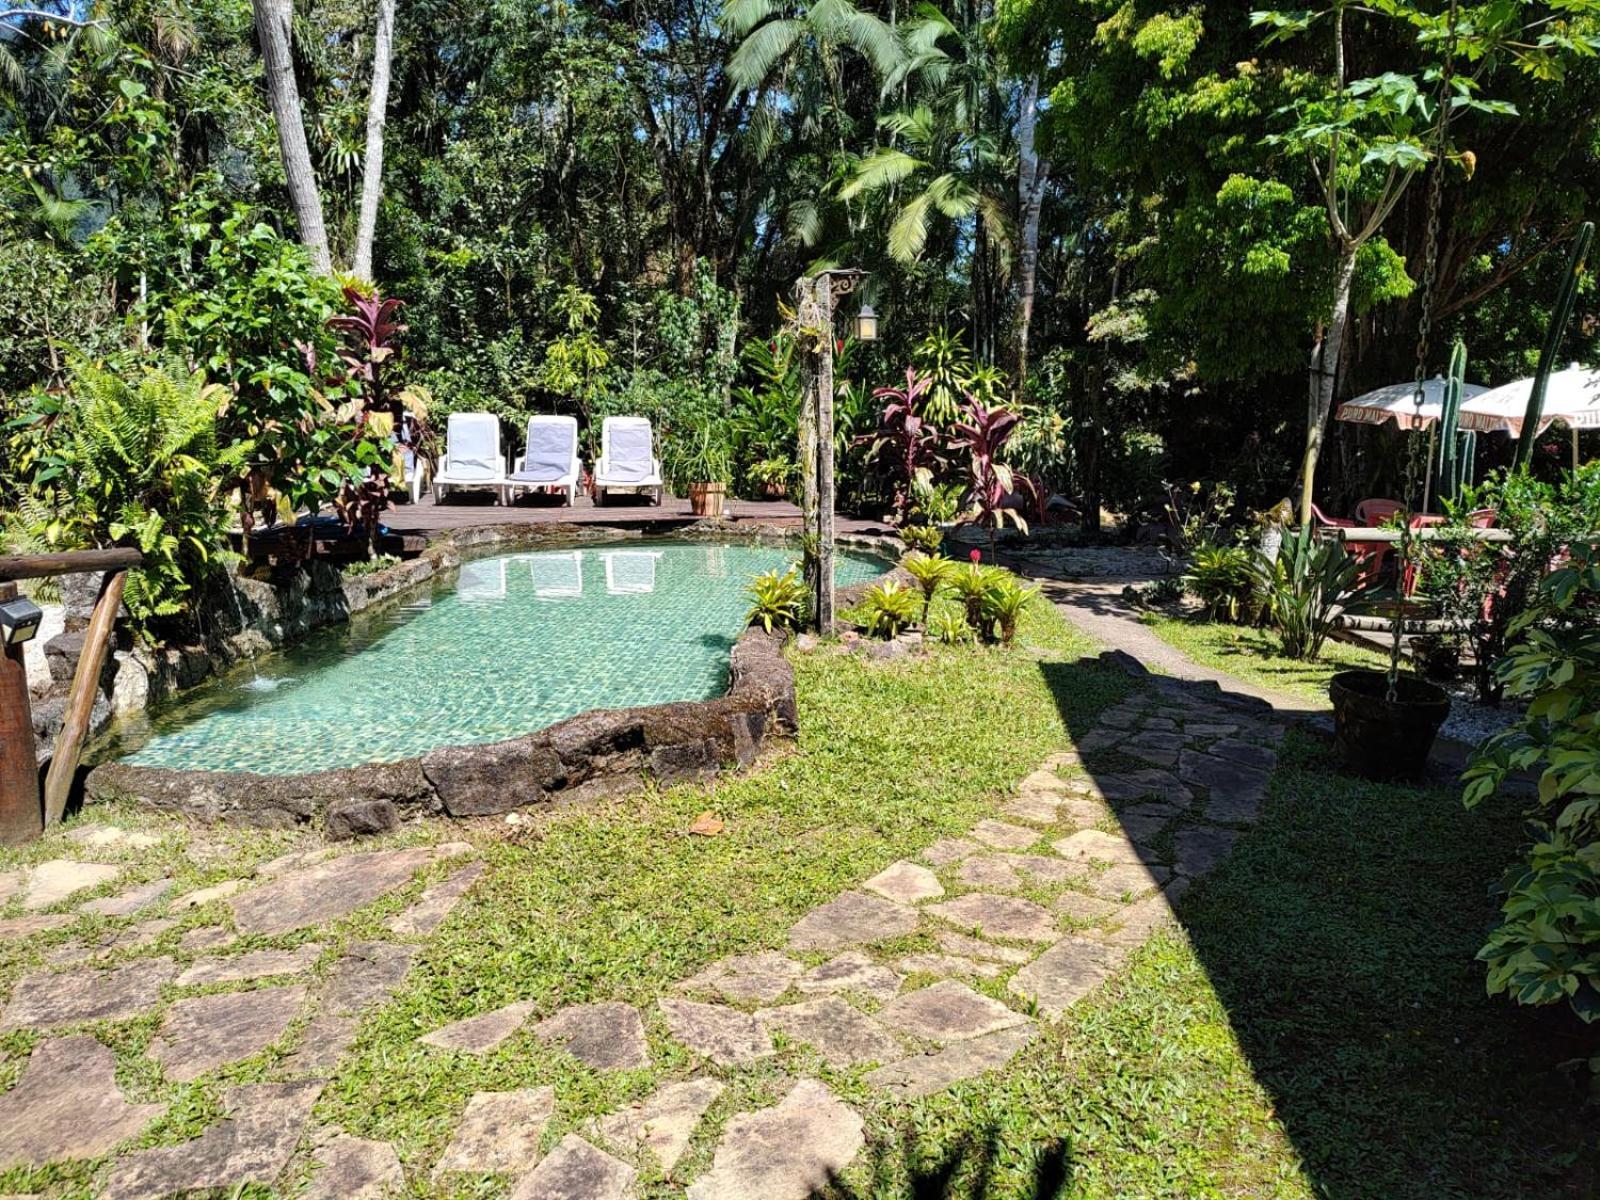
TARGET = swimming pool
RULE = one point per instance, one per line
(513, 644)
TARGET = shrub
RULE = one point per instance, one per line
(889, 607)
(1220, 578)
(970, 581)
(779, 600)
(1304, 590)
(1546, 949)
(1004, 601)
(930, 572)
(1482, 587)
(947, 625)
(922, 539)
(136, 462)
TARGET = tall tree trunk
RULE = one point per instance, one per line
(273, 20)
(1324, 376)
(1031, 175)
(372, 168)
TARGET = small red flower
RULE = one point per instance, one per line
(976, 556)
(838, 345)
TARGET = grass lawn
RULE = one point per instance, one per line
(1320, 1031)
(1254, 655)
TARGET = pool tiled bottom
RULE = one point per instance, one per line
(516, 643)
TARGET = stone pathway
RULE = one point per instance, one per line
(938, 970)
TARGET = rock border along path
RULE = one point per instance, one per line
(1030, 911)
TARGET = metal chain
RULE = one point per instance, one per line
(1430, 270)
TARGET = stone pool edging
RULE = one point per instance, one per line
(586, 757)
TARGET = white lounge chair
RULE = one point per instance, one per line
(551, 458)
(629, 572)
(472, 455)
(556, 574)
(628, 461)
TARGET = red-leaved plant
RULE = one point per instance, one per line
(906, 440)
(983, 433)
(368, 344)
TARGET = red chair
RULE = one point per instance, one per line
(1327, 522)
(1374, 512)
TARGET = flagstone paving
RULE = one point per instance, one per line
(936, 970)
(67, 1105)
(608, 1036)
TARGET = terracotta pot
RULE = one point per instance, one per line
(706, 499)
(1381, 738)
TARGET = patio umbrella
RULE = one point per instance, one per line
(1398, 403)
(1572, 398)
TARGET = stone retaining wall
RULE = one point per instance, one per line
(591, 755)
(585, 757)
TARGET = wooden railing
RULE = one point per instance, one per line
(22, 815)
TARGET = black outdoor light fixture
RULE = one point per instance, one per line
(866, 324)
(19, 620)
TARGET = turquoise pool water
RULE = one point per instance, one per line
(514, 644)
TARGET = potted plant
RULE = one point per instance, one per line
(706, 465)
(770, 477)
(1385, 722)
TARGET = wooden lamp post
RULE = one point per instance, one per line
(815, 297)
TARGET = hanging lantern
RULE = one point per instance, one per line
(866, 324)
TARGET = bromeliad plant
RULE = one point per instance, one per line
(929, 571)
(1004, 602)
(779, 600)
(1304, 590)
(889, 607)
(1220, 578)
(1546, 949)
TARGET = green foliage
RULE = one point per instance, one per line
(701, 456)
(889, 607)
(778, 600)
(1546, 950)
(929, 572)
(1483, 587)
(134, 459)
(1005, 599)
(1221, 579)
(1304, 590)
(948, 627)
(369, 566)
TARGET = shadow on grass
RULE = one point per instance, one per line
(964, 1171)
(1340, 936)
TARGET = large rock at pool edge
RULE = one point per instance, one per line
(481, 781)
(263, 801)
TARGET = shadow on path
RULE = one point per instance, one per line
(1339, 928)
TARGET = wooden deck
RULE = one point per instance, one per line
(466, 510)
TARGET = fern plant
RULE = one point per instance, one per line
(136, 461)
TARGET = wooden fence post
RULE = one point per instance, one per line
(21, 817)
(80, 698)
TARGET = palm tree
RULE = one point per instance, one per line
(950, 157)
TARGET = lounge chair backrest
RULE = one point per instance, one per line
(552, 443)
(472, 446)
(628, 447)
